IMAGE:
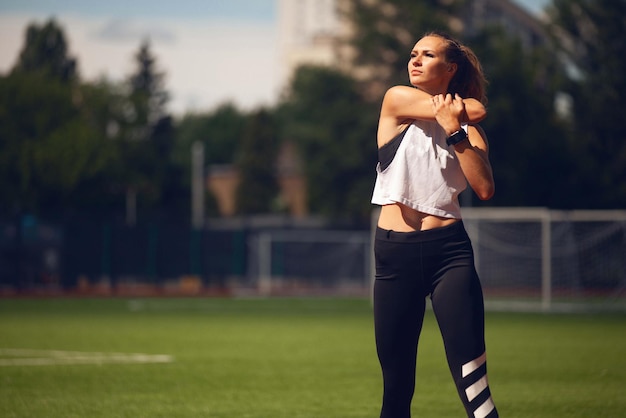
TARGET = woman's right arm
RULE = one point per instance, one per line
(403, 102)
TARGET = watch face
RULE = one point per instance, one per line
(456, 137)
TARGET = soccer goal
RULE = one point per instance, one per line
(310, 262)
(527, 258)
(535, 258)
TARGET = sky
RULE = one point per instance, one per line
(211, 51)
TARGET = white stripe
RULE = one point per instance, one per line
(484, 409)
(474, 390)
(470, 366)
(19, 357)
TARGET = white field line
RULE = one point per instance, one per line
(26, 357)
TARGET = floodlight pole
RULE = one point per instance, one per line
(197, 185)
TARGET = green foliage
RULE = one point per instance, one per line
(47, 145)
(101, 105)
(146, 133)
(590, 34)
(385, 32)
(256, 164)
(147, 96)
(46, 52)
(334, 130)
(528, 143)
(65, 145)
(71, 144)
(220, 131)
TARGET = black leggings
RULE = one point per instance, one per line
(409, 267)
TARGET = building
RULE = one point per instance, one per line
(308, 32)
(507, 14)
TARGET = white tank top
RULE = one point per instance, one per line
(418, 169)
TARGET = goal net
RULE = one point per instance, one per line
(308, 261)
(552, 260)
(527, 259)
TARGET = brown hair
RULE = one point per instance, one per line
(469, 79)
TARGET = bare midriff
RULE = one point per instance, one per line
(401, 218)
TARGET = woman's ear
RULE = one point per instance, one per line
(452, 67)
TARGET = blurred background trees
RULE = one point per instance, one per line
(555, 121)
(337, 140)
(384, 34)
(589, 35)
(528, 140)
(48, 144)
(45, 52)
(256, 162)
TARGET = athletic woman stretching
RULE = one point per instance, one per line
(427, 155)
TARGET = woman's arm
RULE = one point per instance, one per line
(473, 156)
(412, 103)
(473, 152)
(403, 104)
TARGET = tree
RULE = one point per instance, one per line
(220, 131)
(384, 33)
(590, 34)
(258, 186)
(143, 148)
(46, 52)
(48, 143)
(334, 130)
(34, 117)
(147, 94)
(101, 105)
(529, 148)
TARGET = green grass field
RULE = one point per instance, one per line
(271, 358)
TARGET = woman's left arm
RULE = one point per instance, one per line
(473, 151)
(473, 155)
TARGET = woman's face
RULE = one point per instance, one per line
(428, 68)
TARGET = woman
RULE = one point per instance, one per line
(427, 155)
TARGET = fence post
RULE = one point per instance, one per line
(265, 264)
(546, 261)
(105, 260)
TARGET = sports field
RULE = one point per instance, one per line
(290, 358)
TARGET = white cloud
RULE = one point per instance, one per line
(207, 62)
(128, 30)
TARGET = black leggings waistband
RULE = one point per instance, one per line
(444, 232)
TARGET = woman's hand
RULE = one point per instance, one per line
(448, 111)
(473, 154)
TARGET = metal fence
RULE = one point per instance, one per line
(94, 256)
(527, 258)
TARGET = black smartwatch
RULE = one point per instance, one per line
(455, 138)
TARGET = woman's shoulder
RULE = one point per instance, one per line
(401, 91)
(400, 95)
